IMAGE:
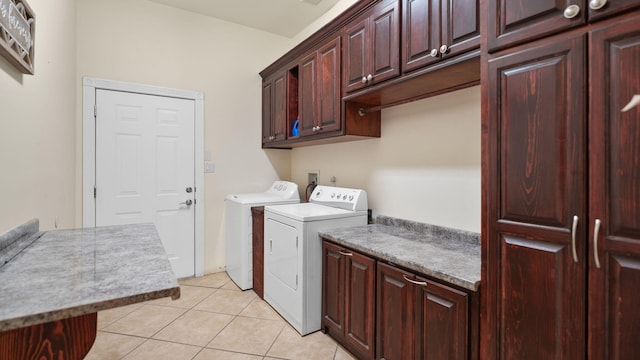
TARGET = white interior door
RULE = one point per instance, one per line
(145, 168)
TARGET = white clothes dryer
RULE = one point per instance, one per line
(293, 251)
(238, 228)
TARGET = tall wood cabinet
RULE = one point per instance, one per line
(561, 238)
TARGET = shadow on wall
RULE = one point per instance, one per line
(10, 70)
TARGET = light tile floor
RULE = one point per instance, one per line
(213, 319)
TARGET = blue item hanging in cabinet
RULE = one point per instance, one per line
(294, 130)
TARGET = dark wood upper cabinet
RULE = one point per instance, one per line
(614, 191)
(274, 109)
(437, 29)
(512, 22)
(372, 46)
(319, 96)
(600, 9)
(348, 306)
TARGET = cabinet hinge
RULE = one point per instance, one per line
(95, 192)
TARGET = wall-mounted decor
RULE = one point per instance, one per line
(17, 29)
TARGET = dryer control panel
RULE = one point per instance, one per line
(343, 198)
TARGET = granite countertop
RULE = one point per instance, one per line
(52, 275)
(446, 254)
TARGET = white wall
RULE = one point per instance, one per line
(144, 42)
(37, 125)
(425, 167)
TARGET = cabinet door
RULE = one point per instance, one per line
(614, 185)
(420, 33)
(384, 53)
(442, 322)
(395, 314)
(307, 94)
(355, 55)
(267, 111)
(329, 95)
(333, 287)
(274, 112)
(512, 22)
(428, 25)
(611, 7)
(536, 185)
(460, 26)
(279, 121)
(360, 303)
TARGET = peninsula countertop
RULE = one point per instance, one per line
(53, 275)
(450, 255)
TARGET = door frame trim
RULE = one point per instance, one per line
(90, 85)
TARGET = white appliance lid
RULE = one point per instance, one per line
(310, 212)
(279, 192)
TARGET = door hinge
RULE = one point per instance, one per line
(95, 191)
(296, 280)
(296, 242)
(95, 111)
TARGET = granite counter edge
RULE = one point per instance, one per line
(41, 318)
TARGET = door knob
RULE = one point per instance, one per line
(597, 4)
(188, 202)
(189, 189)
(571, 11)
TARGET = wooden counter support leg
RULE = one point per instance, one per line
(67, 339)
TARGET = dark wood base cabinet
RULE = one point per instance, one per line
(561, 177)
(418, 318)
(378, 311)
(348, 293)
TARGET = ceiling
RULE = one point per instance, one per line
(282, 17)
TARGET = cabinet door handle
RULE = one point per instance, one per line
(434, 52)
(635, 101)
(573, 238)
(369, 78)
(345, 253)
(421, 283)
(596, 230)
(443, 49)
(364, 79)
(597, 4)
(571, 11)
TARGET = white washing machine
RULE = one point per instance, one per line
(293, 251)
(238, 227)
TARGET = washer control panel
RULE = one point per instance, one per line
(343, 198)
